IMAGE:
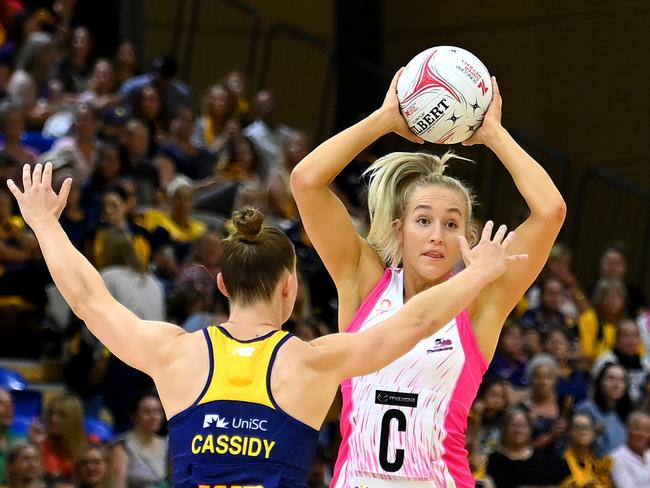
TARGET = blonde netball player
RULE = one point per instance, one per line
(404, 425)
(244, 399)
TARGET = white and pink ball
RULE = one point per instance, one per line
(444, 93)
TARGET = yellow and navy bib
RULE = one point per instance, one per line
(235, 435)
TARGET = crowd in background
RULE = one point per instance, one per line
(565, 402)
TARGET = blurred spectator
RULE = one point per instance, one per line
(28, 85)
(487, 413)
(100, 93)
(63, 437)
(558, 266)
(139, 459)
(194, 162)
(509, 361)
(587, 469)
(216, 129)
(267, 133)
(174, 93)
(114, 122)
(206, 254)
(549, 423)
(124, 63)
(148, 109)
(179, 223)
(24, 468)
(21, 25)
(104, 176)
(243, 165)
(126, 278)
(76, 222)
(613, 266)
(85, 368)
(92, 468)
(632, 459)
(116, 209)
(6, 436)
(74, 68)
(22, 273)
(517, 463)
(548, 314)
(598, 322)
(236, 82)
(281, 203)
(609, 406)
(82, 145)
(15, 153)
(476, 456)
(626, 353)
(138, 165)
(571, 381)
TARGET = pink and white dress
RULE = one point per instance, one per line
(404, 426)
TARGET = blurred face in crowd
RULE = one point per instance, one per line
(297, 148)
(552, 292)
(150, 102)
(516, 431)
(109, 164)
(558, 346)
(581, 431)
(126, 54)
(638, 432)
(236, 83)
(103, 77)
(92, 467)
(81, 43)
(149, 415)
(182, 124)
(85, 123)
(13, 125)
(6, 410)
(114, 208)
(496, 397)
(512, 342)
(613, 383)
(26, 466)
(265, 107)
(138, 141)
(628, 338)
(613, 302)
(244, 154)
(219, 102)
(56, 419)
(613, 265)
(543, 381)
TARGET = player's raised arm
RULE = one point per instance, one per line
(124, 334)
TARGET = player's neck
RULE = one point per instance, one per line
(255, 318)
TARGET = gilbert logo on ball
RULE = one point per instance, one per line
(444, 93)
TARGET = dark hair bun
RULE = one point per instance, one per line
(247, 223)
